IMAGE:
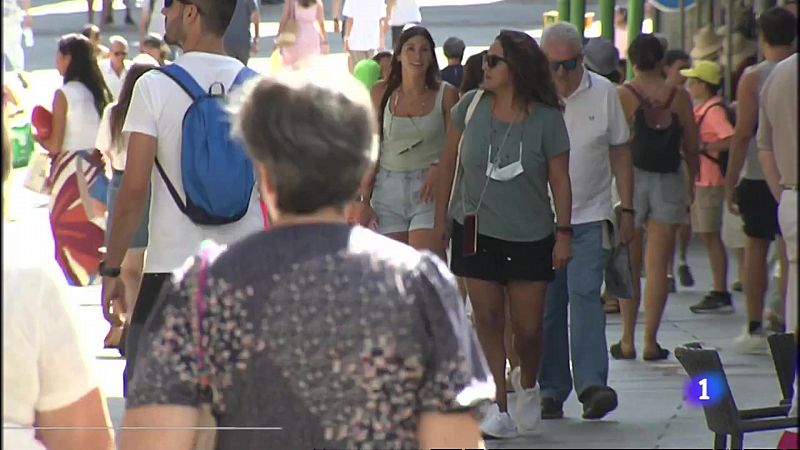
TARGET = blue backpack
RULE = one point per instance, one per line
(218, 176)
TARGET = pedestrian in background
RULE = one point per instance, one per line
(16, 16)
(239, 42)
(399, 14)
(453, 49)
(363, 29)
(50, 397)
(116, 66)
(413, 108)
(389, 361)
(504, 241)
(311, 38)
(710, 112)
(154, 123)
(114, 145)
(598, 149)
(746, 190)
(473, 73)
(778, 154)
(77, 219)
(675, 61)
(660, 194)
(92, 32)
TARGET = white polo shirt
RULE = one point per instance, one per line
(405, 11)
(366, 14)
(113, 81)
(595, 121)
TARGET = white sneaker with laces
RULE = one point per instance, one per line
(527, 411)
(751, 343)
(498, 425)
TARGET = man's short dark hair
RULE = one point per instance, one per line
(675, 55)
(778, 26)
(314, 134)
(453, 48)
(216, 14)
(381, 55)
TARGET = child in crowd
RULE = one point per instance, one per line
(454, 52)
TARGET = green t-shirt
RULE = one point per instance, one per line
(518, 209)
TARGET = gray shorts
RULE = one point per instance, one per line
(396, 202)
(659, 196)
(142, 236)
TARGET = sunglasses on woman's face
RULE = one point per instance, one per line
(493, 60)
(568, 65)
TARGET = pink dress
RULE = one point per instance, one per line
(307, 35)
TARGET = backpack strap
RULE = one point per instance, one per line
(671, 97)
(245, 74)
(182, 78)
(635, 93)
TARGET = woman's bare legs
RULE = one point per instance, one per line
(488, 299)
(629, 309)
(660, 241)
(526, 299)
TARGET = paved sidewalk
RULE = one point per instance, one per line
(651, 414)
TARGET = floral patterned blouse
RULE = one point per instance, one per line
(337, 336)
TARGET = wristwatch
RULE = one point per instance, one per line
(110, 272)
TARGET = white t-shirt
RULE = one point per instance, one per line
(405, 11)
(117, 150)
(45, 366)
(157, 24)
(82, 117)
(113, 81)
(366, 14)
(595, 120)
(157, 109)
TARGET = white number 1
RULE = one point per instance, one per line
(704, 394)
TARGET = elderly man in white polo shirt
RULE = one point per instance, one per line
(598, 134)
(116, 66)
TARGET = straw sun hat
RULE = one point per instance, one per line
(706, 43)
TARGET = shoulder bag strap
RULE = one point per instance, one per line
(459, 169)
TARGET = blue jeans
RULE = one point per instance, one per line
(577, 286)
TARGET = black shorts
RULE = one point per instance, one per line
(503, 261)
(149, 291)
(758, 208)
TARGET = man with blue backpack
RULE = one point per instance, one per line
(180, 147)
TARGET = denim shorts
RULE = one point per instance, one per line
(396, 202)
(142, 235)
(659, 196)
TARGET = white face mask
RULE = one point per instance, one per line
(506, 173)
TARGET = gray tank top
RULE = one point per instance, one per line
(413, 143)
(752, 168)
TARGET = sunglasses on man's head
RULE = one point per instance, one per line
(568, 65)
(493, 60)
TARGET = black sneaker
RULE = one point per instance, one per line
(685, 276)
(552, 408)
(714, 302)
(671, 285)
(597, 402)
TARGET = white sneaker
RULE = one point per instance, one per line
(751, 344)
(527, 411)
(498, 425)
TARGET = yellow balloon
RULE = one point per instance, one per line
(276, 61)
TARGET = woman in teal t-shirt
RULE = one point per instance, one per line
(515, 143)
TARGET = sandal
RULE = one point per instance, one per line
(660, 354)
(616, 352)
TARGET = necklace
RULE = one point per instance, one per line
(411, 109)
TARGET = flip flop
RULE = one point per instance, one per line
(616, 352)
(660, 354)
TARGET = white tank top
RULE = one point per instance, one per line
(83, 120)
